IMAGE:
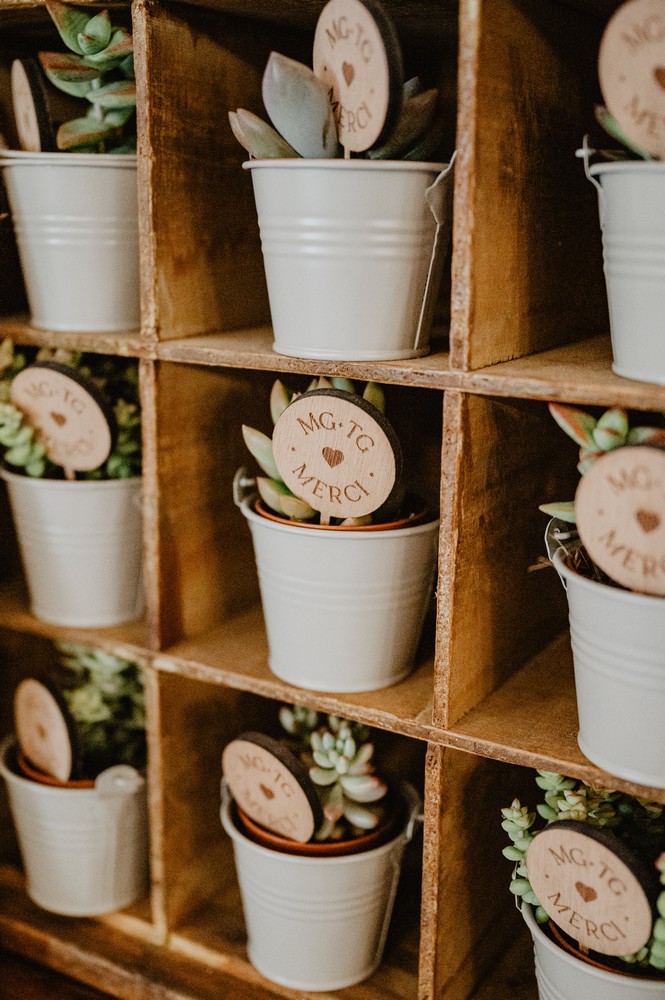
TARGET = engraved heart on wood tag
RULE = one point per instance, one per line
(333, 456)
(659, 74)
(587, 893)
(348, 72)
(647, 520)
(269, 794)
(58, 418)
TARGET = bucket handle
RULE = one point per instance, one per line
(243, 486)
(585, 153)
(560, 537)
(438, 197)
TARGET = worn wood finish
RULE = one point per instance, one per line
(503, 459)
(464, 941)
(526, 95)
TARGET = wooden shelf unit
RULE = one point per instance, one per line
(492, 695)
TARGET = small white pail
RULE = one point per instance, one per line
(75, 218)
(352, 254)
(343, 609)
(317, 923)
(618, 641)
(85, 851)
(562, 976)
(81, 548)
(631, 197)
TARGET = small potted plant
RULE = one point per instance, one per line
(630, 182)
(74, 777)
(318, 838)
(597, 863)
(79, 532)
(74, 204)
(344, 597)
(610, 565)
(354, 215)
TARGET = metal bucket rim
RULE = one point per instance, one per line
(303, 163)
(618, 593)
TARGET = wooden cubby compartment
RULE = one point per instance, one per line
(521, 320)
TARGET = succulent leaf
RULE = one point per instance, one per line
(611, 429)
(259, 138)
(260, 446)
(375, 394)
(86, 131)
(363, 787)
(280, 397)
(118, 94)
(612, 127)
(358, 816)
(646, 435)
(323, 775)
(563, 509)
(272, 492)
(96, 35)
(345, 384)
(577, 424)
(299, 107)
(415, 118)
(70, 21)
(297, 509)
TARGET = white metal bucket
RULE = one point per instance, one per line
(343, 609)
(347, 248)
(562, 976)
(85, 851)
(317, 923)
(81, 548)
(632, 216)
(75, 218)
(618, 641)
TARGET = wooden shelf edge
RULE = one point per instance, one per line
(109, 959)
(126, 344)
(510, 724)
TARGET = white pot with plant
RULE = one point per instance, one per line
(318, 855)
(630, 181)
(608, 547)
(590, 884)
(73, 198)
(346, 560)
(353, 247)
(74, 778)
(71, 448)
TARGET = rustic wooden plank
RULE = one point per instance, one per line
(128, 967)
(507, 458)
(236, 654)
(464, 941)
(524, 212)
(532, 720)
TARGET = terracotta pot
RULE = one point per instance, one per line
(372, 838)
(402, 522)
(34, 774)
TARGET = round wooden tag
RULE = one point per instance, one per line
(44, 728)
(357, 53)
(337, 452)
(592, 887)
(631, 71)
(620, 510)
(71, 416)
(31, 115)
(272, 786)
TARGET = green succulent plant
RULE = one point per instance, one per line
(104, 694)
(611, 126)
(639, 824)
(341, 769)
(272, 489)
(299, 107)
(100, 68)
(596, 436)
(117, 381)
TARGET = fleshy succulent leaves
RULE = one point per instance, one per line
(299, 107)
(259, 138)
(577, 424)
